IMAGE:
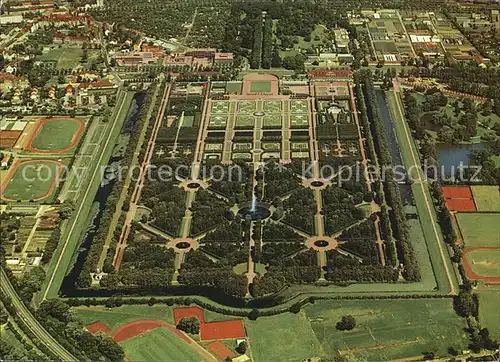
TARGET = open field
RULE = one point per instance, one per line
(56, 134)
(32, 180)
(115, 317)
(489, 313)
(159, 344)
(267, 334)
(487, 198)
(388, 329)
(69, 57)
(479, 229)
(64, 57)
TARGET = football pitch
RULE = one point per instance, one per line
(32, 180)
(56, 134)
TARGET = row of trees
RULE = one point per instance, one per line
(392, 194)
(57, 319)
(256, 56)
(299, 268)
(200, 271)
(134, 129)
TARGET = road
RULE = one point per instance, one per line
(89, 185)
(31, 322)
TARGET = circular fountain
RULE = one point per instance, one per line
(321, 243)
(259, 114)
(182, 245)
(254, 210)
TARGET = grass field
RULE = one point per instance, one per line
(234, 87)
(485, 263)
(489, 315)
(32, 180)
(260, 86)
(56, 134)
(124, 314)
(487, 198)
(158, 345)
(65, 57)
(479, 229)
(286, 337)
(388, 329)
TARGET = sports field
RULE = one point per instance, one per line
(32, 180)
(479, 229)
(159, 344)
(56, 134)
(260, 86)
(487, 198)
(484, 263)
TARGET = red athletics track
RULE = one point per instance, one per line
(468, 269)
(39, 125)
(13, 169)
(212, 330)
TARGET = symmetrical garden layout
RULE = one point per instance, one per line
(263, 190)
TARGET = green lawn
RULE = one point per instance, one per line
(158, 345)
(56, 134)
(487, 198)
(479, 229)
(286, 337)
(65, 57)
(388, 329)
(233, 87)
(260, 86)
(485, 263)
(127, 313)
(489, 313)
(32, 180)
